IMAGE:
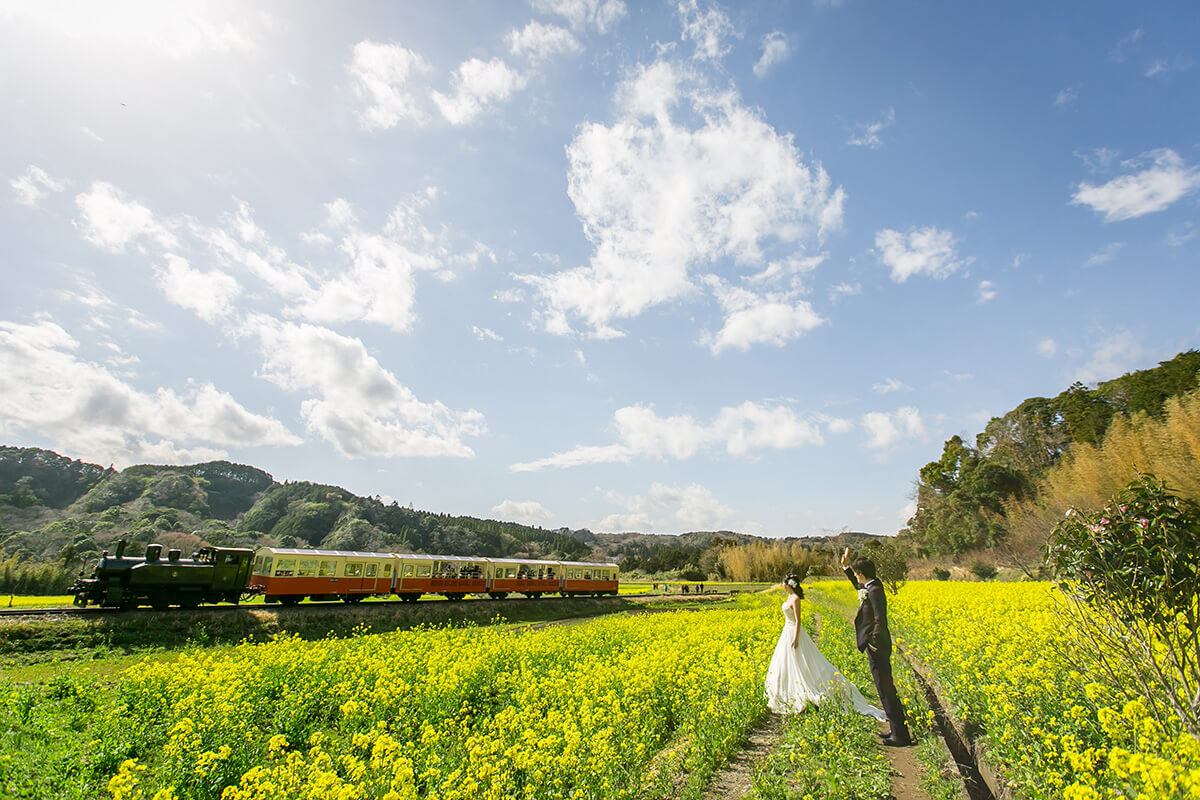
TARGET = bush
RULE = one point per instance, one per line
(985, 572)
(941, 574)
(1132, 574)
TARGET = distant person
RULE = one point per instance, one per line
(874, 639)
(799, 674)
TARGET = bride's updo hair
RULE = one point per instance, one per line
(793, 583)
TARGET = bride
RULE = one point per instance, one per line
(799, 674)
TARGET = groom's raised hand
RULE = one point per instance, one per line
(846, 558)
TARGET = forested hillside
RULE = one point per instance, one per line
(1010, 487)
(57, 514)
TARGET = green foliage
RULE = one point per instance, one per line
(1132, 573)
(983, 570)
(962, 498)
(941, 573)
(55, 480)
(891, 563)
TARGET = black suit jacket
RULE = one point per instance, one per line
(870, 623)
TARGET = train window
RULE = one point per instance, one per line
(424, 570)
(408, 570)
(387, 570)
(328, 569)
(257, 564)
(307, 569)
(510, 572)
(266, 570)
(352, 570)
(372, 569)
(285, 568)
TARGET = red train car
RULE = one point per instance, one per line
(287, 575)
(583, 577)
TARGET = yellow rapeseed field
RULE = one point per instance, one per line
(599, 710)
(1002, 653)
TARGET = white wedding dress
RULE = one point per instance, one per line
(801, 675)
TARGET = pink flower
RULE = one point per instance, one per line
(1104, 520)
(1145, 523)
(1122, 509)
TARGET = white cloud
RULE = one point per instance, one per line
(45, 386)
(1047, 348)
(708, 29)
(1104, 255)
(927, 251)
(1066, 97)
(91, 134)
(1152, 189)
(538, 42)
(985, 292)
(839, 425)
(110, 221)
(694, 508)
(486, 334)
(478, 86)
(209, 294)
(34, 186)
(382, 74)
(889, 385)
(776, 48)
(1181, 234)
(866, 134)
(840, 290)
(906, 512)
(528, 511)
(1157, 67)
(358, 406)
(750, 319)
(659, 198)
(1127, 44)
(642, 433)
(580, 14)
(1112, 357)
(1099, 159)
(885, 428)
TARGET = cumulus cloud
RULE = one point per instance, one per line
(478, 87)
(985, 292)
(922, 251)
(1162, 181)
(643, 433)
(111, 221)
(707, 28)
(690, 508)
(1047, 348)
(776, 48)
(47, 387)
(358, 406)
(751, 319)
(884, 428)
(34, 186)
(866, 134)
(382, 74)
(528, 511)
(538, 42)
(660, 197)
(209, 294)
(579, 14)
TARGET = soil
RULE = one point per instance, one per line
(734, 781)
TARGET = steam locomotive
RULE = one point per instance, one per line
(287, 576)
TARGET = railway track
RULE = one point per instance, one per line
(69, 611)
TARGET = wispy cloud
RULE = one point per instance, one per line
(1104, 255)
(985, 292)
(922, 251)
(33, 186)
(866, 134)
(1164, 179)
(776, 48)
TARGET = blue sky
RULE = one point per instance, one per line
(659, 266)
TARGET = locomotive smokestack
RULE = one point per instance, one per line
(120, 548)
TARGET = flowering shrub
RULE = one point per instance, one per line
(1132, 573)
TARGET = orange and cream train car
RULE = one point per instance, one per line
(288, 575)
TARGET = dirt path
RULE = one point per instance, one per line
(734, 781)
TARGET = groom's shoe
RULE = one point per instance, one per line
(902, 740)
(884, 734)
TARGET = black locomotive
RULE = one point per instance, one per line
(211, 575)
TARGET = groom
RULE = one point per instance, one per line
(874, 639)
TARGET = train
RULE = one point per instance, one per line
(289, 575)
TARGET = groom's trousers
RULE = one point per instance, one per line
(881, 671)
